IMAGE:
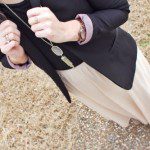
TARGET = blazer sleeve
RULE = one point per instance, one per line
(108, 15)
(4, 61)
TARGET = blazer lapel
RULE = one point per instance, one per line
(38, 57)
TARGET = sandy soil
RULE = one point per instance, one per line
(35, 116)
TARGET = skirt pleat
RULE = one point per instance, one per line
(108, 99)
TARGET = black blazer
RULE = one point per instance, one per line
(111, 50)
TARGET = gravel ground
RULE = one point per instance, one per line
(34, 115)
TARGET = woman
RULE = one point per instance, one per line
(110, 73)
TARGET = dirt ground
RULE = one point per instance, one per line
(34, 115)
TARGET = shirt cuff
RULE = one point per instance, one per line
(20, 67)
(88, 25)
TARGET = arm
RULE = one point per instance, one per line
(108, 15)
(6, 62)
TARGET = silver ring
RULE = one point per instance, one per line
(7, 38)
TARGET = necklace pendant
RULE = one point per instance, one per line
(67, 61)
(57, 50)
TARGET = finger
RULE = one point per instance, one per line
(43, 33)
(13, 37)
(37, 11)
(6, 48)
(6, 24)
(40, 18)
(2, 41)
(10, 36)
(9, 30)
(41, 26)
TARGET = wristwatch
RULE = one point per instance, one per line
(82, 31)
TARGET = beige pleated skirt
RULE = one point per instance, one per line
(106, 98)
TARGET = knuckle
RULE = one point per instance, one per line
(19, 40)
(46, 9)
(2, 50)
(30, 20)
(37, 33)
(15, 25)
(10, 29)
(8, 22)
(28, 12)
(50, 35)
(19, 33)
(33, 27)
(12, 35)
(14, 43)
(12, 23)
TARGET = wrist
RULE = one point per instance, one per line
(20, 61)
(71, 30)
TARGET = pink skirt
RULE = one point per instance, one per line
(108, 99)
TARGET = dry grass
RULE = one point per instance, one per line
(35, 116)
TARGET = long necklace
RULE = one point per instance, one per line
(55, 49)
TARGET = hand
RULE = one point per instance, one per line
(10, 42)
(46, 25)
